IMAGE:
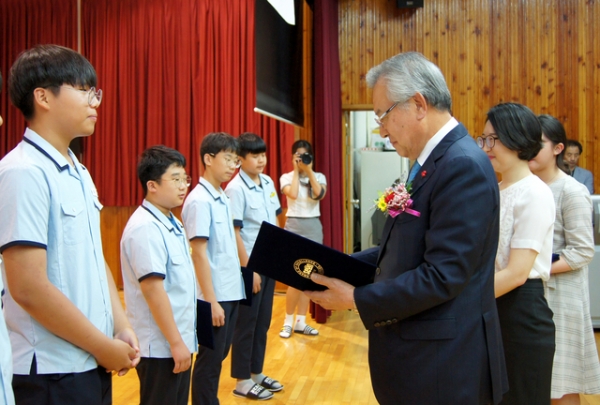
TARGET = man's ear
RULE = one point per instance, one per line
(40, 98)
(421, 105)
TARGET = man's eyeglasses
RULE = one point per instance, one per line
(233, 163)
(379, 119)
(94, 96)
(181, 181)
(489, 141)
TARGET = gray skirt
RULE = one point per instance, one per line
(310, 228)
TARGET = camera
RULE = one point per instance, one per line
(306, 158)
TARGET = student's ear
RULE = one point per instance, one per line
(40, 98)
(558, 148)
(207, 159)
(151, 186)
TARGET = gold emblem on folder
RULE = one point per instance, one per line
(305, 267)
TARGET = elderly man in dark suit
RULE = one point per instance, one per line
(434, 336)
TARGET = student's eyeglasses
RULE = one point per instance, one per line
(180, 181)
(489, 141)
(379, 119)
(233, 163)
(94, 96)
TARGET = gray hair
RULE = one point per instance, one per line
(408, 73)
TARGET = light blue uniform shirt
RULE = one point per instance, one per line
(48, 203)
(153, 246)
(6, 392)
(206, 214)
(251, 204)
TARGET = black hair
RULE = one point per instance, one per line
(49, 67)
(301, 143)
(216, 142)
(555, 132)
(573, 142)
(249, 142)
(518, 129)
(155, 161)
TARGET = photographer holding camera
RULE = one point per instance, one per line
(303, 188)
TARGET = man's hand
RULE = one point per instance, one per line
(218, 314)
(256, 284)
(339, 295)
(181, 356)
(128, 336)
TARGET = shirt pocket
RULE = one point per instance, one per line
(181, 272)
(73, 222)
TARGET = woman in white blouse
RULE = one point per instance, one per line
(511, 137)
(304, 188)
(576, 368)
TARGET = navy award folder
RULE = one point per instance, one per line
(291, 259)
(248, 276)
(204, 328)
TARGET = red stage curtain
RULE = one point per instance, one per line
(328, 119)
(23, 24)
(171, 72)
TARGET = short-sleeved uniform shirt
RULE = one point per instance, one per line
(304, 206)
(206, 214)
(154, 245)
(48, 203)
(6, 394)
(251, 204)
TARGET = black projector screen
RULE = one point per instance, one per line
(279, 63)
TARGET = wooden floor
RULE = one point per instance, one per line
(331, 368)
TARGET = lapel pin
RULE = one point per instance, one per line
(424, 173)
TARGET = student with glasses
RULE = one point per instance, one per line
(209, 225)
(512, 136)
(304, 189)
(159, 280)
(68, 327)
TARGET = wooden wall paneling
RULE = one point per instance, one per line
(591, 54)
(306, 132)
(542, 53)
(588, 70)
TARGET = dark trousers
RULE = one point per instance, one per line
(207, 367)
(93, 387)
(528, 335)
(250, 337)
(159, 385)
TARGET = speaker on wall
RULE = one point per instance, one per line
(409, 3)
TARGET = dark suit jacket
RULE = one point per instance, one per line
(434, 335)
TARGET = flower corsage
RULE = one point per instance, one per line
(395, 200)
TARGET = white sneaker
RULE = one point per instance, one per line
(286, 331)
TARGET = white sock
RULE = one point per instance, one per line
(300, 322)
(244, 386)
(289, 320)
(258, 378)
